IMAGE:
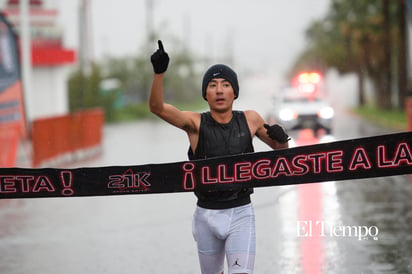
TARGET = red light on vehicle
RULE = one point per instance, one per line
(307, 82)
(303, 78)
(309, 77)
(315, 77)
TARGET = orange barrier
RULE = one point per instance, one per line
(65, 136)
(9, 142)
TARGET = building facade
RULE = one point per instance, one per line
(51, 62)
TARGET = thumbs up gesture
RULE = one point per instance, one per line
(160, 59)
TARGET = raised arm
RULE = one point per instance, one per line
(181, 119)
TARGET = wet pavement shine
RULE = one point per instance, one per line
(360, 226)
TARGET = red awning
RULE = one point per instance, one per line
(52, 56)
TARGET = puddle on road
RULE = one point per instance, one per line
(384, 203)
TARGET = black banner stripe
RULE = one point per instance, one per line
(377, 156)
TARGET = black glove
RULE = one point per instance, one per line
(277, 133)
(160, 59)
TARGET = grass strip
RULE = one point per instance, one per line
(394, 119)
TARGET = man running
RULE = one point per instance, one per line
(224, 221)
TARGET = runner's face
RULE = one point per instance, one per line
(220, 94)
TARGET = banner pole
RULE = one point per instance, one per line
(26, 57)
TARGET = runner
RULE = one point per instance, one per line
(224, 221)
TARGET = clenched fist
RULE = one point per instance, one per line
(277, 133)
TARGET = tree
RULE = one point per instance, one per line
(358, 37)
(180, 79)
(385, 72)
(403, 53)
(84, 90)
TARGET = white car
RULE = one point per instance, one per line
(295, 110)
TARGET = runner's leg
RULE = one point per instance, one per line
(211, 249)
(241, 242)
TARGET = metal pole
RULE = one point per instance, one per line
(26, 58)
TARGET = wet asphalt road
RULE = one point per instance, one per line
(152, 233)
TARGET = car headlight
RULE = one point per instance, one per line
(287, 114)
(326, 113)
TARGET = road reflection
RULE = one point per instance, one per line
(310, 201)
(360, 225)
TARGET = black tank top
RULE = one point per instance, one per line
(216, 140)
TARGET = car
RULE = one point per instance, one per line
(296, 110)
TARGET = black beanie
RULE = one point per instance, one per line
(220, 71)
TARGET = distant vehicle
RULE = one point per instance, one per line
(301, 106)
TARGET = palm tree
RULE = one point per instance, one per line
(357, 37)
(403, 53)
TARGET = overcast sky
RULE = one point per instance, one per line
(260, 34)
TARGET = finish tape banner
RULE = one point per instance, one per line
(377, 156)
